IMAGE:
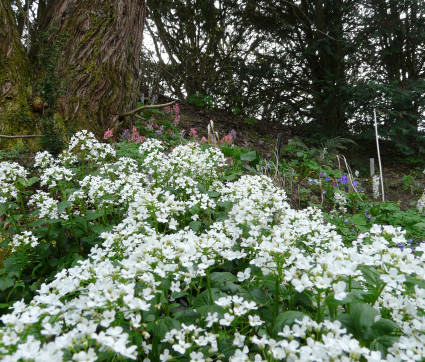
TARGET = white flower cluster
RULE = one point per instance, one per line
(10, 172)
(82, 312)
(183, 161)
(23, 239)
(46, 206)
(340, 200)
(86, 144)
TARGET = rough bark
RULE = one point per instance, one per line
(15, 77)
(99, 63)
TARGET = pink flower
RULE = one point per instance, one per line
(193, 132)
(227, 139)
(176, 120)
(204, 139)
(176, 109)
(109, 133)
(135, 133)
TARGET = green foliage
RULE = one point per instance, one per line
(250, 120)
(50, 47)
(201, 100)
(53, 136)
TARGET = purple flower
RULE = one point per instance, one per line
(232, 133)
(343, 180)
(158, 132)
(327, 179)
(125, 135)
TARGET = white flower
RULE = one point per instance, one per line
(255, 321)
(108, 318)
(211, 319)
(224, 302)
(227, 320)
(339, 289)
(244, 275)
(301, 284)
(165, 356)
(83, 356)
(197, 357)
(239, 340)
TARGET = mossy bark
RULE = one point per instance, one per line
(15, 80)
(99, 65)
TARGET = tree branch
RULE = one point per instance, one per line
(129, 113)
(21, 136)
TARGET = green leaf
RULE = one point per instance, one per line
(260, 296)
(347, 322)
(363, 316)
(359, 219)
(186, 316)
(227, 205)
(63, 205)
(91, 239)
(12, 265)
(213, 194)
(383, 327)
(203, 311)
(233, 288)
(371, 275)
(286, 319)
(164, 325)
(99, 229)
(383, 343)
(232, 176)
(251, 169)
(6, 282)
(93, 215)
(223, 277)
(201, 188)
(420, 226)
(29, 182)
(38, 222)
(195, 225)
(204, 298)
(249, 156)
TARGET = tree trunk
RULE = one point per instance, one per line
(99, 63)
(15, 76)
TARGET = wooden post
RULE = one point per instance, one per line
(278, 147)
(372, 167)
(379, 156)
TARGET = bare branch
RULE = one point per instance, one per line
(151, 106)
(21, 136)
